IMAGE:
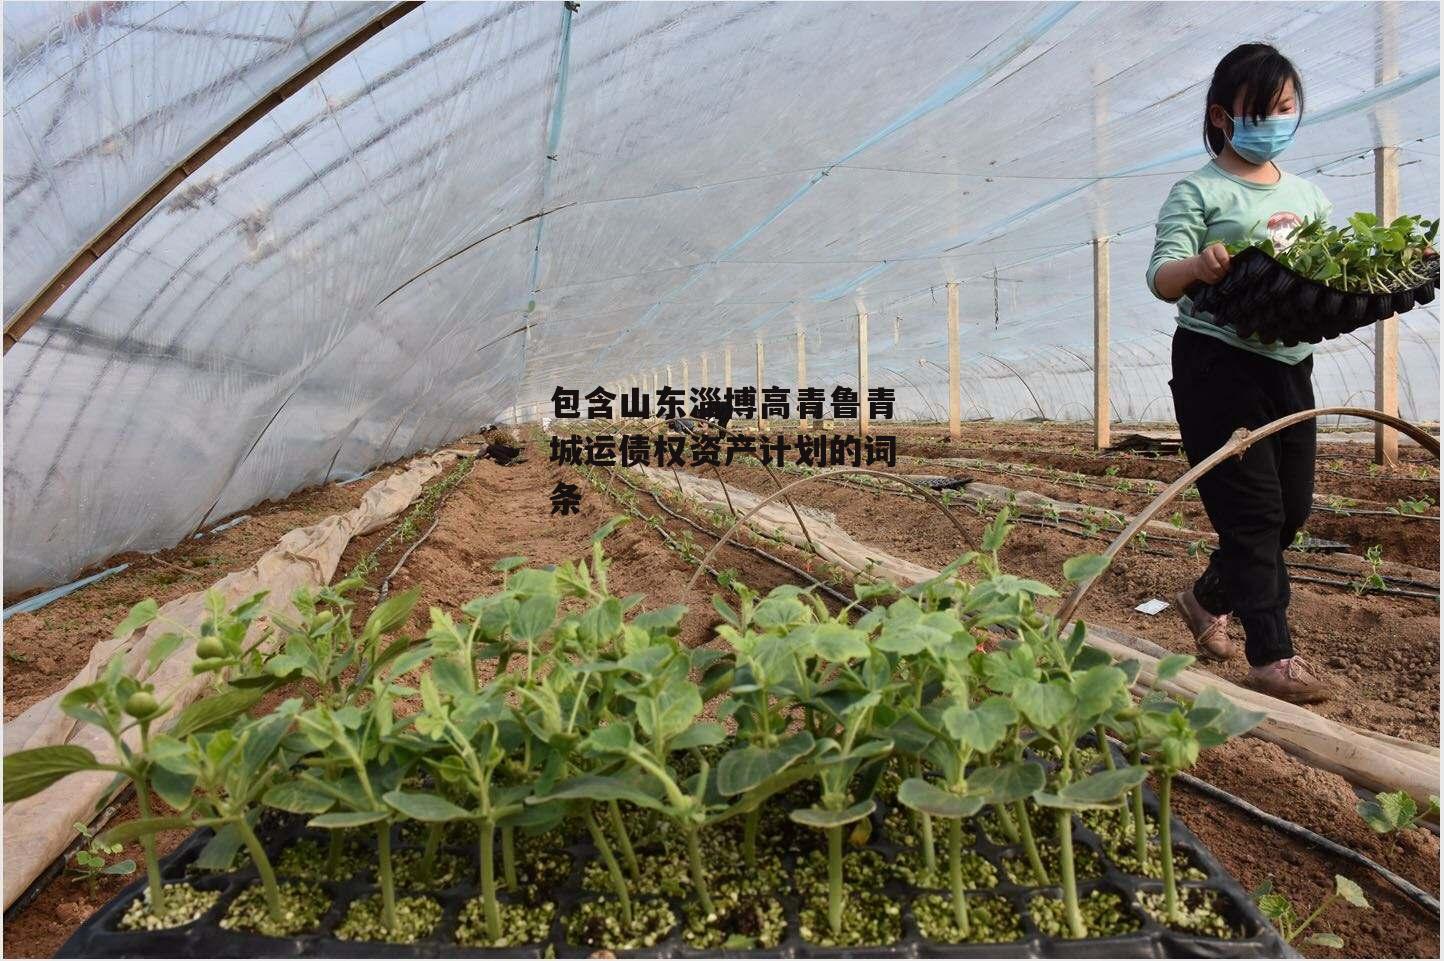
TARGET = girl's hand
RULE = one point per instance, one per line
(1211, 264)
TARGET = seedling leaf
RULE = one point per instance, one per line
(823, 818)
(1350, 891)
(922, 796)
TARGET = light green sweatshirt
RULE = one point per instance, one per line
(1211, 205)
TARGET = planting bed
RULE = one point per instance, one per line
(501, 511)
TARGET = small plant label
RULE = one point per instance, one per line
(1152, 606)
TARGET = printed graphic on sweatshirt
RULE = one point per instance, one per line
(1281, 225)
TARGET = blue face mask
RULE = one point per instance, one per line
(1261, 141)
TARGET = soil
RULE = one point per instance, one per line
(1382, 650)
(1400, 536)
(1253, 852)
(1391, 665)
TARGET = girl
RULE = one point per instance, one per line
(1221, 382)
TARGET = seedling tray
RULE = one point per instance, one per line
(100, 937)
(1260, 296)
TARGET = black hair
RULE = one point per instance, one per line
(1259, 69)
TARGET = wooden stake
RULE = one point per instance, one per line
(1386, 205)
(955, 386)
(1101, 435)
(686, 384)
(861, 370)
(761, 424)
(727, 368)
(801, 374)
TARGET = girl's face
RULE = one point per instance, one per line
(1284, 102)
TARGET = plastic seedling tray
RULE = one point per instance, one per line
(1262, 297)
(100, 937)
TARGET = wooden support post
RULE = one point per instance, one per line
(761, 424)
(955, 386)
(801, 374)
(686, 386)
(1386, 206)
(703, 383)
(861, 370)
(669, 375)
(727, 368)
(1101, 410)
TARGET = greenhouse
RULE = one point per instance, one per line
(721, 479)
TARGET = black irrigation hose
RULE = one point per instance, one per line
(832, 592)
(1288, 827)
(386, 581)
(986, 467)
(1416, 894)
(1408, 582)
(1058, 523)
(1394, 591)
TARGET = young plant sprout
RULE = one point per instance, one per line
(1390, 811)
(552, 698)
(127, 709)
(92, 861)
(1280, 911)
(1172, 736)
(1362, 255)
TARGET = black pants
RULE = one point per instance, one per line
(1257, 502)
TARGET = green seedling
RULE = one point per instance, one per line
(1277, 909)
(1172, 735)
(1362, 255)
(591, 703)
(1374, 579)
(1391, 811)
(92, 861)
(216, 780)
(1414, 506)
(127, 709)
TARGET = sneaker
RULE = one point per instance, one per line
(1289, 680)
(1210, 633)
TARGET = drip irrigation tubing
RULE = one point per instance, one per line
(832, 592)
(436, 512)
(386, 581)
(1058, 524)
(1416, 894)
(1153, 486)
